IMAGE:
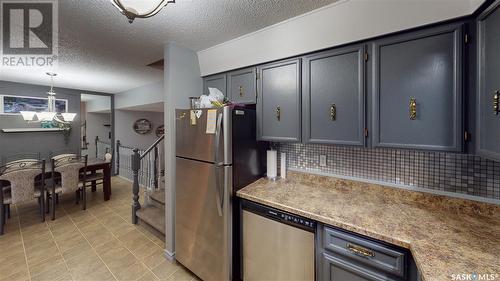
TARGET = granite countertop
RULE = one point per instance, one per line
(445, 235)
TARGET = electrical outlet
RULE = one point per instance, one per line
(322, 160)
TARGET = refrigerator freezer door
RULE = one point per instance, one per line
(201, 202)
(192, 139)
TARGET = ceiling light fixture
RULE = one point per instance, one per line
(133, 9)
(61, 120)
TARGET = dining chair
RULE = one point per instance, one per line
(57, 154)
(20, 156)
(10, 158)
(93, 179)
(5, 188)
(69, 167)
(20, 175)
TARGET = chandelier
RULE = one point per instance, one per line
(51, 116)
(133, 9)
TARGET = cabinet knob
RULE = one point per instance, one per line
(241, 91)
(413, 109)
(496, 102)
(278, 113)
(181, 116)
(333, 112)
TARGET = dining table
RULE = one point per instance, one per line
(93, 166)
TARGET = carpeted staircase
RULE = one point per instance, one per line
(153, 214)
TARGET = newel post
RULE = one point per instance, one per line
(155, 167)
(136, 166)
(96, 146)
(118, 144)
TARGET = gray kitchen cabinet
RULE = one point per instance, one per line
(241, 86)
(416, 90)
(346, 256)
(342, 269)
(279, 101)
(217, 81)
(334, 96)
(488, 103)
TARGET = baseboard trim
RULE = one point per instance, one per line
(129, 180)
(169, 256)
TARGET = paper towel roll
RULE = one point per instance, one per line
(272, 164)
(283, 165)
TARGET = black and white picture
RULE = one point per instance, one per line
(16, 104)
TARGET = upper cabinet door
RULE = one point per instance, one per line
(417, 90)
(334, 96)
(217, 81)
(278, 101)
(241, 85)
(489, 83)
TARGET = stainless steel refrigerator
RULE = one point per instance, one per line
(216, 154)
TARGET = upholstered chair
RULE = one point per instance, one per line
(6, 159)
(69, 167)
(21, 176)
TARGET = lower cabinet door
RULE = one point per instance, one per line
(338, 268)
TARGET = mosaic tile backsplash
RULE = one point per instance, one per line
(452, 172)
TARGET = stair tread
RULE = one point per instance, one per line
(158, 196)
(153, 216)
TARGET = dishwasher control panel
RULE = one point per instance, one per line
(280, 216)
(292, 219)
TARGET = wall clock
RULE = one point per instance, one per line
(143, 126)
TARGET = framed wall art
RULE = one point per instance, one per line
(143, 126)
(14, 104)
(160, 131)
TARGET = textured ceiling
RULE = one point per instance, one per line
(100, 51)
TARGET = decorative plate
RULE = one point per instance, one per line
(143, 126)
(160, 131)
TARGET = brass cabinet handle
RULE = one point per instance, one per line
(241, 91)
(333, 112)
(496, 103)
(278, 113)
(413, 109)
(362, 251)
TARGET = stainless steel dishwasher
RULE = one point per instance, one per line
(276, 245)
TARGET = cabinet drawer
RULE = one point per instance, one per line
(344, 269)
(377, 255)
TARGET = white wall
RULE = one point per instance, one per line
(148, 94)
(95, 127)
(182, 80)
(99, 104)
(340, 23)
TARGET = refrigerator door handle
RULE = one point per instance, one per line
(217, 139)
(219, 199)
